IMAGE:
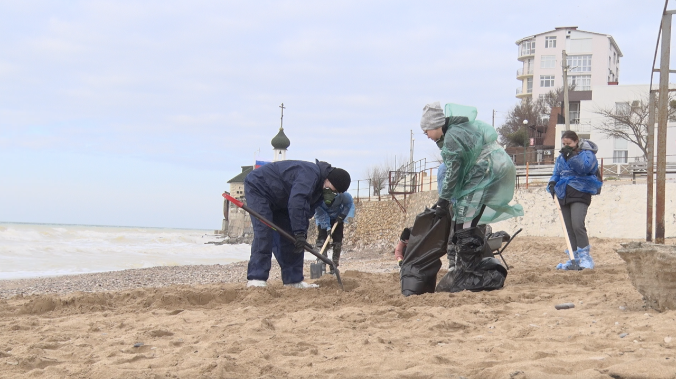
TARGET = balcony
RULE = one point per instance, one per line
(576, 124)
(521, 94)
(520, 74)
(526, 53)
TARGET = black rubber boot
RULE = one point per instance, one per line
(337, 247)
(320, 243)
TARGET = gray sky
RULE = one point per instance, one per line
(139, 112)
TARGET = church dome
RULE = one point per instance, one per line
(281, 141)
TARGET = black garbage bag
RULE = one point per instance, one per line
(488, 275)
(427, 244)
(474, 271)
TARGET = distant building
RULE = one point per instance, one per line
(237, 183)
(593, 60)
(621, 100)
(236, 222)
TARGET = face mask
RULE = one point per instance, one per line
(329, 196)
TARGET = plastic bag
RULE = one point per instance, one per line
(426, 245)
(487, 275)
(476, 269)
(479, 171)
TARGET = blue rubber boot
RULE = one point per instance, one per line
(569, 264)
(586, 260)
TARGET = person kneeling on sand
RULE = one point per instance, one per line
(333, 212)
(287, 193)
(400, 250)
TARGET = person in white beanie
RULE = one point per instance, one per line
(479, 181)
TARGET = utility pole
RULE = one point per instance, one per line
(564, 65)
(650, 167)
(411, 158)
(493, 119)
(662, 119)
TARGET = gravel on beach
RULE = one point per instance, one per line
(163, 276)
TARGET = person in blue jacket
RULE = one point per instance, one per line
(574, 181)
(330, 212)
(287, 193)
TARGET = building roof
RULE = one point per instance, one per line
(280, 141)
(612, 40)
(239, 178)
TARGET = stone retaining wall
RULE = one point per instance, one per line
(618, 212)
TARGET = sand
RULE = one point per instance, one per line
(202, 322)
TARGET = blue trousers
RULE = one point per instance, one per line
(267, 242)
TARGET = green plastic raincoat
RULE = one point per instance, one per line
(479, 171)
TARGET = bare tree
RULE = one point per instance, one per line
(513, 132)
(629, 121)
(378, 177)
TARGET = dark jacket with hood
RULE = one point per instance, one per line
(576, 178)
(293, 186)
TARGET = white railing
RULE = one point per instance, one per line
(520, 72)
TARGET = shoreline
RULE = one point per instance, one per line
(165, 276)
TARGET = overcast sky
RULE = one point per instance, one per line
(138, 112)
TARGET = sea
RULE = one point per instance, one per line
(39, 250)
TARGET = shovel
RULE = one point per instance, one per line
(318, 269)
(286, 235)
(574, 263)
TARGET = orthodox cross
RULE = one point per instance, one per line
(281, 122)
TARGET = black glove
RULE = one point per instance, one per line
(441, 209)
(405, 234)
(299, 245)
(550, 187)
(567, 152)
(340, 218)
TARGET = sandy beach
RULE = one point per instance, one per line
(202, 322)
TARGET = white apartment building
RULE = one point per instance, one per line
(593, 60)
(619, 98)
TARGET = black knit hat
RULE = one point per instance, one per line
(405, 234)
(340, 179)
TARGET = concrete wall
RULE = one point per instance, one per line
(619, 212)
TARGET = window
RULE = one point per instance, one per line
(620, 156)
(548, 61)
(620, 152)
(579, 63)
(622, 109)
(529, 85)
(581, 82)
(574, 113)
(550, 42)
(546, 80)
(528, 65)
(527, 47)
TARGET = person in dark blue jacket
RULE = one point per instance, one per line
(331, 212)
(573, 182)
(287, 193)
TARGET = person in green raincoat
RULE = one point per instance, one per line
(479, 181)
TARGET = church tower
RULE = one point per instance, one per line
(280, 142)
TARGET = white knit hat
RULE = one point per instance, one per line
(433, 117)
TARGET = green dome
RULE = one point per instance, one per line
(280, 141)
